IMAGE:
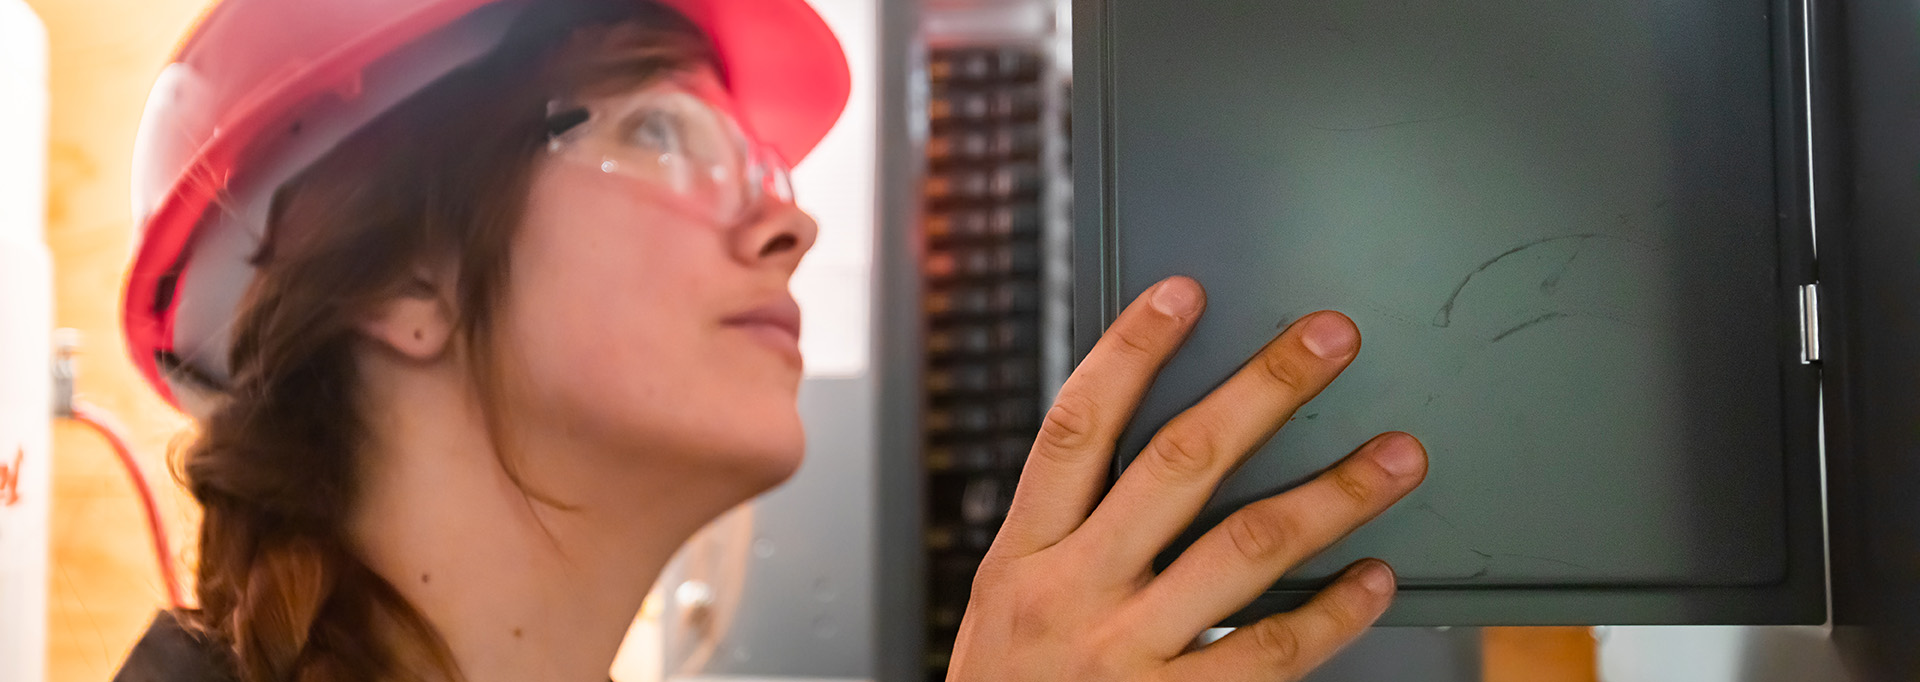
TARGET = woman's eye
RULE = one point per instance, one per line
(657, 130)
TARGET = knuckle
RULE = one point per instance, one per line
(1097, 662)
(1346, 610)
(1107, 640)
(1070, 424)
(1037, 612)
(1132, 344)
(1031, 622)
(1181, 455)
(1259, 536)
(1284, 370)
(1352, 487)
(1277, 641)
(990, 577)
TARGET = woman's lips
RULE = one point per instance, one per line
(776, 324)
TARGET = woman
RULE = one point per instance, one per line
(482, 306)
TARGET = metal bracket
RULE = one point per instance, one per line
(1809, 323)
(66, 344)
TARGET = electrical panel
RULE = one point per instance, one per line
(1576, 237)
(993, 197)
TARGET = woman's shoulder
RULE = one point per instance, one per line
(169, 652)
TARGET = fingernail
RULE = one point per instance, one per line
(1329, 336)
(1377, 578)
(1399, 454)
(1177, 297)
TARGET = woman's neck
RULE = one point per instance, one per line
(519, 588)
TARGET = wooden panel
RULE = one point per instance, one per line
(103, 583)
(1539, 655)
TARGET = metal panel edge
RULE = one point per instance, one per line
(1092, 199)
(1871, 297)
(900, 576)
(1803, 592)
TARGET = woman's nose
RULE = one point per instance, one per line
(780, 238)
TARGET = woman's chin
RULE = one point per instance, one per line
(767, 456)
(777, 470)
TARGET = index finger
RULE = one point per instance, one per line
(1170, 480)
(1066, 472)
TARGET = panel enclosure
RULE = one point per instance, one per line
(1573, 235)
(1870, 265)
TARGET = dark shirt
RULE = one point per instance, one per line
(171, 653)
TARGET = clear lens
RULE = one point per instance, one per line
(668, 138)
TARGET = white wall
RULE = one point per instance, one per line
(836, 184)
(26, 319)
(1718, 654)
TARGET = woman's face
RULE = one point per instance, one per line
(646, 330)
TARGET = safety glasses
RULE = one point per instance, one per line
(681, 145)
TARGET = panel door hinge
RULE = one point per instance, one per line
(1809, 323)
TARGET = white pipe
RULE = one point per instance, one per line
(26, 329)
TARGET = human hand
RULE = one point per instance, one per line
(1068, 590)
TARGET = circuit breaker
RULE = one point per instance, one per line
(991, 198)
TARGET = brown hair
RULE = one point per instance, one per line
(441, 178)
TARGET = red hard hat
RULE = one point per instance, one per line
(262, 88)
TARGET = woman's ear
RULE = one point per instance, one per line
(418, 322)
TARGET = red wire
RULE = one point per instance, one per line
(102, 422)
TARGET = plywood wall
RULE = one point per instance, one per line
(1562, 654)
(103, 584)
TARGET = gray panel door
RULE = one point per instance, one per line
(1559, 225)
